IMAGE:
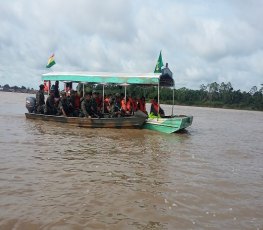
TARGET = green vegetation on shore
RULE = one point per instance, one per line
(22, 89)
(211, 95)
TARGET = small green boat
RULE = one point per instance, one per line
(169, 124)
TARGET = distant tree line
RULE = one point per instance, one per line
(221, 95)
(22, 89)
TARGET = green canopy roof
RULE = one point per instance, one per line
(109, 78)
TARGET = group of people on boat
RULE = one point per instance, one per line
(91, 104)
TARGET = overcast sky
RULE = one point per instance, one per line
(203, 41)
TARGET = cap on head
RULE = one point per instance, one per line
(63, 93)
(88, 94)
(112, 100)
(52, 88)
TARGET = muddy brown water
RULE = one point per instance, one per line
(57, 177)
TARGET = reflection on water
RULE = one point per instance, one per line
(56, 177)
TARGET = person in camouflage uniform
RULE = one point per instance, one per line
(50, 108)
(73, 103)
(94, 105)
(86, 106)
(64, 106)
(113, 108)
(40, 100)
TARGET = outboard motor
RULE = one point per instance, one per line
(31, 104)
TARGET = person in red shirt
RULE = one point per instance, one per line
(155, 107)
(130, 106)
(142, 105)
(106, 103)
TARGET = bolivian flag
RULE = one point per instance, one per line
(51, 61)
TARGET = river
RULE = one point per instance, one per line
(57, 177)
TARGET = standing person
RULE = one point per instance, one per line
(40, 100)
(155, 107)
(50, 108)
(56, 90)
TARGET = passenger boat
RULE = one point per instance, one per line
(135, 121)
(167, 124)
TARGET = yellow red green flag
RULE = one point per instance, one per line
(51, 61)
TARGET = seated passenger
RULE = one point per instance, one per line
(155, 107)
(94, 106)
(88, 107)
(142, 105)
(74, 102)
(65, 108)
(123, 106)
(127, 106)
(118, 98)
(106, 103)
(113, 108)
(135, 104)
(130, 106)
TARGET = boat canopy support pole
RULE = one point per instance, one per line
(49, 86)
(158, 100)
(83, 90)
(103, 98)
(125, 92)
(173, 104)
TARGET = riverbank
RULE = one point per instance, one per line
(217, 105)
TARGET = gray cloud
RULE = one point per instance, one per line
(202, 41)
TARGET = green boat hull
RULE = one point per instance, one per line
(168, 124)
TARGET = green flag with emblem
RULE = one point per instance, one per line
(159, 64)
